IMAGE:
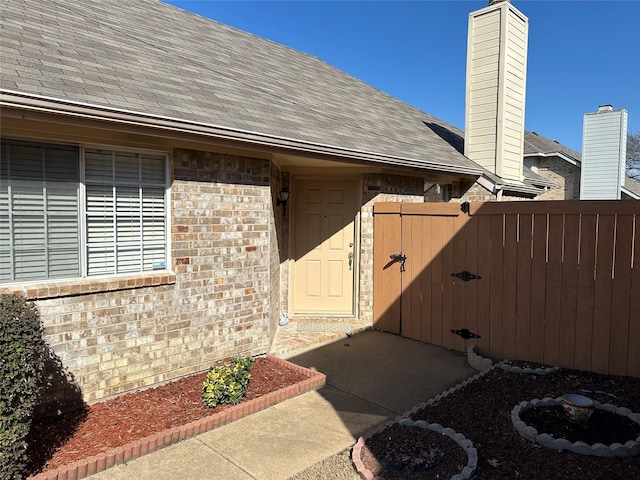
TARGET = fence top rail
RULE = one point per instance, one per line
(558, 207)
(551, 207)
(432, 209)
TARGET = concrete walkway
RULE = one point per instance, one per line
(371, 377)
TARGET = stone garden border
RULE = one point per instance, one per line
(481, 363)
(629, 449)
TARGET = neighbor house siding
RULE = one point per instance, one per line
(512, 100)
(482, 90)
(495, 93)
(603, 154)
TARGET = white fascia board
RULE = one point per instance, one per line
(569, 159)
(488, 184)
(631, 193)
(495, 187)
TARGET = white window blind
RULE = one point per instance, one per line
(125, 211)
(67, 212)
(39, 188)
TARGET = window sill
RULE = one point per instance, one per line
(73, 287)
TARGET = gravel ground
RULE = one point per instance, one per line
(337, 467)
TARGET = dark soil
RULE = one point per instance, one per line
(602, 427)
(412, 453)
(54, 442)
(481, 411)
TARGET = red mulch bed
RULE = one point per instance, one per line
(481, 411)
(54, 442)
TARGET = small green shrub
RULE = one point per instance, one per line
(22, 349)
(227, 383)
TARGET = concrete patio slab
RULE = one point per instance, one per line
(188, 460)
(371, 378)
(279, 442)
(387, 370)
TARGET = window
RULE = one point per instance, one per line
(67, 212)
(531, 164)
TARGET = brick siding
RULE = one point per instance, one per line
(565, 175)
(136, 331)
(228, 283)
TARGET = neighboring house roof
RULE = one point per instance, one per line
(631, 188)
(539, 146)
(536, 145)
(149, 63)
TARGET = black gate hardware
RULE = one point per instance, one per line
(396, 257)
(466, 334)
(466, 276)
(464, 207)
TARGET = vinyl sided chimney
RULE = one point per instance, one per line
(604, 152)
(495, 92)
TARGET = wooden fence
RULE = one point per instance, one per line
(549, 282)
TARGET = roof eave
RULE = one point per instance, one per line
(562, 155)
(630, 193)
(39, 103)
(495, 187)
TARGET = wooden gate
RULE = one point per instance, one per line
(550, 282)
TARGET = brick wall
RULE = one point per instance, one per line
(229, 281)
(565, 175)
(222, 301)
(477, 193)
(279, 239)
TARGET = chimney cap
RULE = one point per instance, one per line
(605, 108)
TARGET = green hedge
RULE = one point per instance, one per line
(22, 349)
(227, 383)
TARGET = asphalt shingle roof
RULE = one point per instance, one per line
(537, 144)
(149, 57)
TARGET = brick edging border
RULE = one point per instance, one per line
(356, 453)
(115, 456)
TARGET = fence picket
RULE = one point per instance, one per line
(538, 290)
(558, 280)
(620, 297)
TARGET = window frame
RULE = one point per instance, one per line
(83, 223)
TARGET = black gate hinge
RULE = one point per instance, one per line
(466, 276)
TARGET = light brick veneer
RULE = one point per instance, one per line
(222, 297)
(116, 335)
(565, 175)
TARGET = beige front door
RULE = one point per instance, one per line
(323, 247)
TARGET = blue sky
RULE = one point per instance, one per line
(581, 53)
